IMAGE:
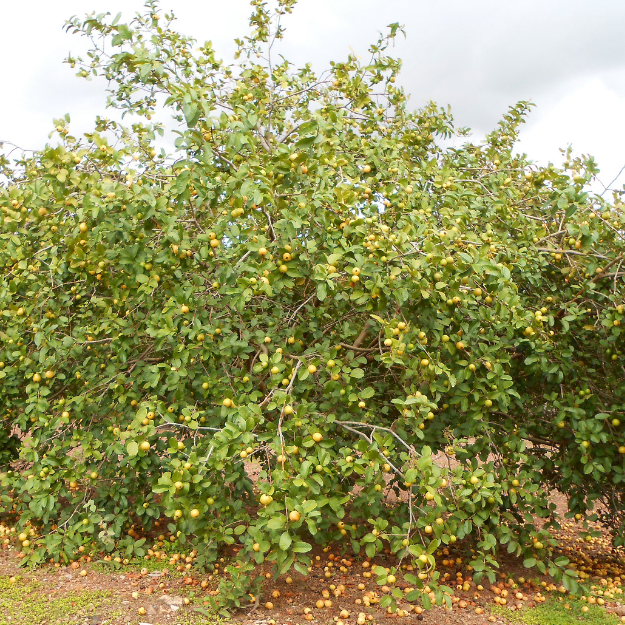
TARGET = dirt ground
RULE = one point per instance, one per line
(147, 592)
(157, 592)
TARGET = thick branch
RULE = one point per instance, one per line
(358, 349)
(359, 339)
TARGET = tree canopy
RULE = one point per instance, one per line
(313, 290)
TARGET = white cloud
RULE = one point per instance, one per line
(479, 57)
(589, 115)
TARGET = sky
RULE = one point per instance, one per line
(478, 57)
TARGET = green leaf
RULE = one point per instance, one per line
(427, 602)
(276, 522)
(321, 291)
(285, 541)
(123, 34)
(300, 568)
(301, 547)
(367, 393)
(191, 113)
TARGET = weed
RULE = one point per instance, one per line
(555, 613)
(24, 601)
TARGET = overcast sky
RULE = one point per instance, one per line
(478, 56)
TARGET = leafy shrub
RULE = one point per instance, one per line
(309, 283)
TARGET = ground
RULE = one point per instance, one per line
(157, 593)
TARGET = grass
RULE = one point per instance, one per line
(134, 566)
(28, 602)
(553, 612)
(195, 618)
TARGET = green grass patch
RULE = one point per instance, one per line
(195, 618)
(134, 566)
(553, 612)
(28, 602)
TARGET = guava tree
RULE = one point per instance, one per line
(308, 286)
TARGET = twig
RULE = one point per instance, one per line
(612, 262)
(613, 181)
(288, 390)
(243, 257)
(225, 160)
(294, 315)
(263, 141)
(358, 349)
(254, 606)
(184, 425)
(549, 236)
(273, 234)
(569, 252)
(370, 441)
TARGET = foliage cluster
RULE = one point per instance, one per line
(310, 286)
